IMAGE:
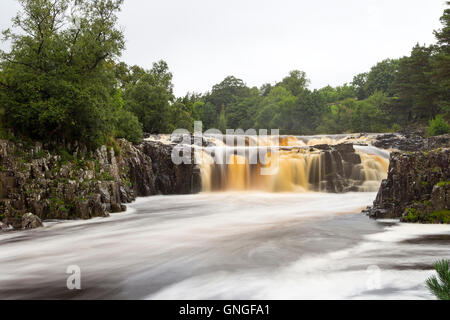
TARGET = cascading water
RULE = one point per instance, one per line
(308, 163)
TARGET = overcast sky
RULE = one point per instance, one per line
(260, 41)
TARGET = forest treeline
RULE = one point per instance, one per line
(62, 81)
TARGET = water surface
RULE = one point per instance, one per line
(227, 246)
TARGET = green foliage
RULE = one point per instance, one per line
(149, 97)
(128, 126)
(440, 63)
(438, 126)
(415, 216)
(440, 286)
(61, 82)
(359, 83)
(106, 176)
(296, 82)
(180, 115)
(57, 80)
(58, 205)
(112, 144)
(443, 184)
(381, 77)
(222, 121)
(274, 108)
(413, 86)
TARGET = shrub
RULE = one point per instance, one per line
(438, 126)
(440, 287)
(128, 126)
(415, 216)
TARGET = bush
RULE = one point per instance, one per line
(438, 126)
(440, 288)
(415, 216)
(128, 126)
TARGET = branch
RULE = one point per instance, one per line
(73, 44)
(99, 59)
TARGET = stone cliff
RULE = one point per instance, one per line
(58, 185)
(417, 188)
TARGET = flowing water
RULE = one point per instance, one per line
(232, 245)
(227, 246)
(292, 163)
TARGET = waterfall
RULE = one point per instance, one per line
(304, 164)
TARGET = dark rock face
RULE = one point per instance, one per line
(337, 168)
(50, 187)
(416, 180)
(171, 178)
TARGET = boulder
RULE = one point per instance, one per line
(31, 221)
(4, 226)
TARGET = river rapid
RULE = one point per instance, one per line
(245, 245)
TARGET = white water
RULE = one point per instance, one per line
(227, 246)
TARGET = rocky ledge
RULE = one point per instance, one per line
(417, 188)
(411, 140)
(37, 185)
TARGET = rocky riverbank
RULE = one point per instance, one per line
(417, 188)
(59, 185)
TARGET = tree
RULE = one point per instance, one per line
(307, 112)
(359, 83)
(440, 63)
(371, 114)
(381, 77)
(127, 126)
(440, 286)
(296, 82)
(275, 110)
(222, 121)
(337, 94)
(226, 92)
(127, 75)
(57, 81)
(180, 116)
(208, 115)
(149, 98)
(240, 114)
(413, 87)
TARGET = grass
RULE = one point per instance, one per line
(436, 217)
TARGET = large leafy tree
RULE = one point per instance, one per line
(276, 110)
(224, 99)
(226, 92)
(241, 113)
(413, 87)
(440, 63)
(57, 81)
(296, 82)
(149, 95)
(359, 83)
(381, 77)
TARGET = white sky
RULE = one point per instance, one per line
(260, 41)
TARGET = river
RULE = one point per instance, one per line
(245, 245)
